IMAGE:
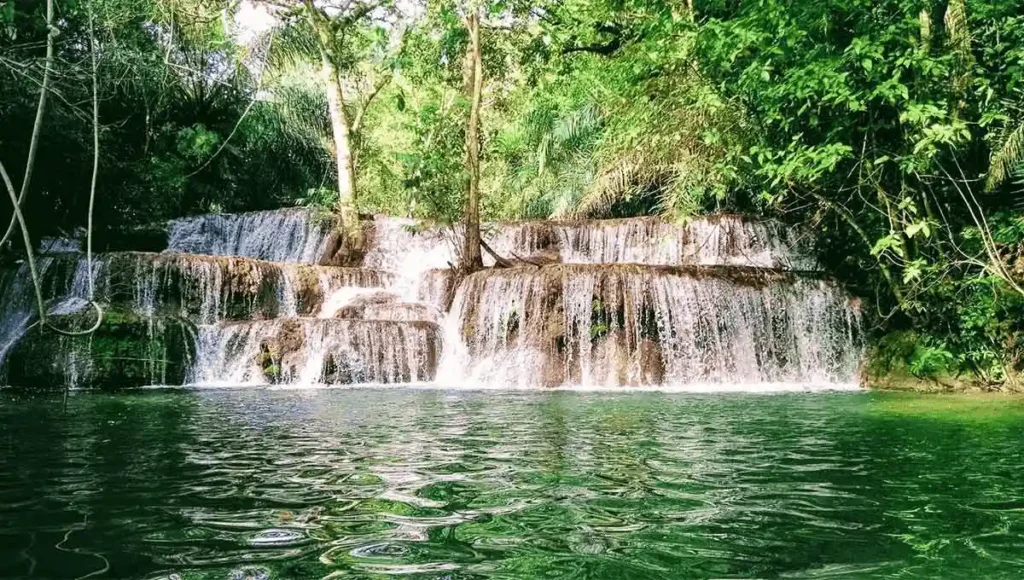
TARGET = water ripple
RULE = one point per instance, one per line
(267, 484)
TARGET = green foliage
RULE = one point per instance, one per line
(319, 197)
(600, 321)
(891, 128)
(172, 87)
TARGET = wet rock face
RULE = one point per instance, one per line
(280, 354)
(341, 250)
(437, 287)
(388, 306)
(205, 289)
(378, 351)
(126, 351)
(202, 288)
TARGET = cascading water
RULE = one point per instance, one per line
(717, 302)
(58, 276)
(311, 351)
(612, 325)
(292, 235)
(208, 289)
(719, 240)
(18, 306)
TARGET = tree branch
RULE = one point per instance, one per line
(602, 49)
(499, 262)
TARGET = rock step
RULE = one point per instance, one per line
(713, 240)
(383, 305)
(205, 289)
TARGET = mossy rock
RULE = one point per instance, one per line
(203, 288)
(127, 350)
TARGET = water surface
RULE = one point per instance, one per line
(365, 483)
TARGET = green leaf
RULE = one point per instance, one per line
(918, 228)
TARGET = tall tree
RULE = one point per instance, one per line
(331, 25)
(471, 257)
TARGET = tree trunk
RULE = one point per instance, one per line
(346, 207)
(471, 257)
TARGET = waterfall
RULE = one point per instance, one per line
(608, 325)
(207, 289)
(717, 302)
(59, 245)
(311, 351)
(436, 287)
(18, 307)
(724, 239)
(292, 235)
(718, 240)
(397, 245)
(17, 297)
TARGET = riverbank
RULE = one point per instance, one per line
(942, 384)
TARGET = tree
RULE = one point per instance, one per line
(44, 93)
(332, 26)
(185, 128)
(471, 256)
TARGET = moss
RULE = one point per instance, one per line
(126, 351)
(600, 323)
(277, 356)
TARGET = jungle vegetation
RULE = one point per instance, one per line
(891, 129)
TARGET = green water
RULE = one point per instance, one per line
(255, 483)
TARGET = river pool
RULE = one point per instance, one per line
(455, 484)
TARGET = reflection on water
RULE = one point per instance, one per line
(259, 483)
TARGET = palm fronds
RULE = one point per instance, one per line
(666, 145)
(958, 37)
(1007, 157)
